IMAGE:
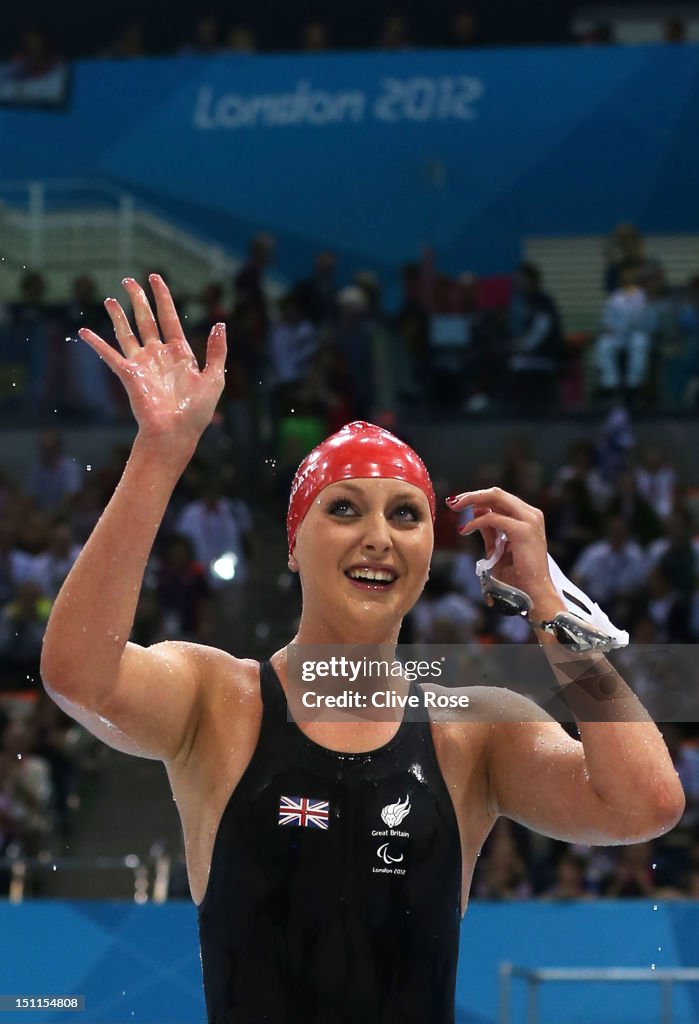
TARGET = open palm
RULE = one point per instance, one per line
(168, 392)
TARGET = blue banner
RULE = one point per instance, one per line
(140, 964)
(377, 155)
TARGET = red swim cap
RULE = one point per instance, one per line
(359, 450)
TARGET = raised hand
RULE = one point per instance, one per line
(524, 562)
(169, 395)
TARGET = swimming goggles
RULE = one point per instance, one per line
(583, 627)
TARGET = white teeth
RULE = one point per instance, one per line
(373, 575)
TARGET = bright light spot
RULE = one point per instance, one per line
(224, 566)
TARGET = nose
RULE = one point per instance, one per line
(377, 535)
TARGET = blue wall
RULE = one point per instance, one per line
(141, 964)
(378, 154)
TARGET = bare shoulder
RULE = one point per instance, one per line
(230, 702)
(161, 698)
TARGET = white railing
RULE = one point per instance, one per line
(151, 878)
(573, 270)
(79, 226)
(533, 977)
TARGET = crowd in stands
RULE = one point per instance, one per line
(37, 53)
(329, 350)
(46, 759)
(621, 521)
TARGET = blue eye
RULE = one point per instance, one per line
(408, 513)
(339, 507)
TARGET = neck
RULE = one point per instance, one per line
(315, 630)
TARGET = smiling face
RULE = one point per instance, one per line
(363, 552)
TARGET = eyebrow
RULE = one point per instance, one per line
(358, 489)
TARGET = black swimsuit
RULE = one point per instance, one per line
(335, 885)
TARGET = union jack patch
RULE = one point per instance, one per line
(303, 812)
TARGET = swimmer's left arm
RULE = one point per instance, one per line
(616, 785)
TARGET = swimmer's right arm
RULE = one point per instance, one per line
(149, 696)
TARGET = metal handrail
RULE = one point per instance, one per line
(666, 977)
(20, 867)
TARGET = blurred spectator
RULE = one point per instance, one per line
(610, 568)
(572, 522)
(674, 30)
(501, 873)
(354, 338)
(581, 467)
(54, 477)
(412, 324)
(180, 586)
(662, 324)
(622, 349)
(129, 42)
(656, 480)
(62, 743)
(394, 33)
(446, 525)
(624, 249)
(301, 428)
(292, 346)
(212, 305)
(678, 552)
(315, 37)
(326, 389)
(628, 503)
(80, 383)
(536, 345)
(615, 444)
(668, 608)
(109, 473)
(149, 620)
(241, 39)
(463, 29)
(317, 295)
(569, 883)
(207, 36)
(685, 758)
(389, 372)
(464, 576)
(22, 627)
(83, 511)
(632, 874)
(600, 33)
(520, 473)
(36, 330)
(25, 781)
(16, 566)
(679, 362)
(247, 344)
(249, 281)
(442, 615)
(52, 565)
(220, 531)
(37, 56)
